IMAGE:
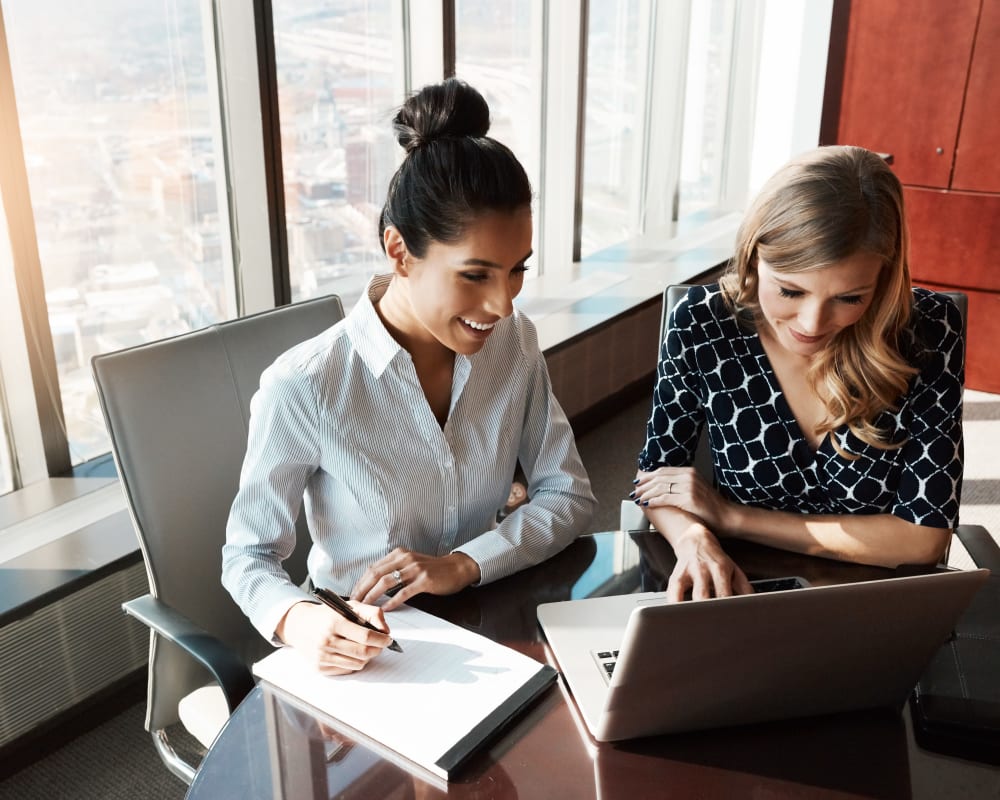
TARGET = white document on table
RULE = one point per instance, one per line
(434, 703)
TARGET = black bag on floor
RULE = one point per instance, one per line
(956, 704)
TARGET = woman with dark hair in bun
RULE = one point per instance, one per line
(401, 426)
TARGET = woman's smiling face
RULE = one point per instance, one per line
(805, 310)
(459, 291)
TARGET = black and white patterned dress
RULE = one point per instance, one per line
(713, 370)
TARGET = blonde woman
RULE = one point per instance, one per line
(831, 388)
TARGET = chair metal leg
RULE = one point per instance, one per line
(177, 765)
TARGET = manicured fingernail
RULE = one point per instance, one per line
(637, 501)
(631, 494)
(635, 481)
(645, 502)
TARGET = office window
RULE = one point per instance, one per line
(339, 73)
(706, 104)
(123, 146)
(498, 50)
(120, 144)
(615, 115)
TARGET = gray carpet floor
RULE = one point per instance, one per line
(116, 761)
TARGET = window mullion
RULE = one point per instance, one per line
(249, 160)
(743, 82)
(564, 50)
(23, 422)
(426, 44)
(30, 291)
(665, 108)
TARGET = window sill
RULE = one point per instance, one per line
(48, 510)
(621, 278)
(71, 533)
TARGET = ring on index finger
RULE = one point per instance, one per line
(397, 576)
(670, 488)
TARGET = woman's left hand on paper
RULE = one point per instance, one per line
(683, 488)
(414, 573)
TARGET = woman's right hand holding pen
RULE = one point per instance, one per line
(334, 644)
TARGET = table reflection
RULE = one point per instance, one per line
(314, 757)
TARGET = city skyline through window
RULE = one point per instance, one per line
(130, 114)
(119, 140)
(339, 83)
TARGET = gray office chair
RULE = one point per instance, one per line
(975, 538)
(177, 413)
(632, 518)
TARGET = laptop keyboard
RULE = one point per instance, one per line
(606, 660)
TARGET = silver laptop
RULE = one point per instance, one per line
(750, 658)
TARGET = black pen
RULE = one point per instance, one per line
(338, 604)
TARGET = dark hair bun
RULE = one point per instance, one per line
(453, 172)
(451, 109)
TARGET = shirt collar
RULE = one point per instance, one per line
(369, 337)
(374, 343)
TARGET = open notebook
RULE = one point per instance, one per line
(435, 704)
(750, 658)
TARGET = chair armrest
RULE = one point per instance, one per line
(982, 547)
(227, 669)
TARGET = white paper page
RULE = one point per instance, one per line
(419, 702)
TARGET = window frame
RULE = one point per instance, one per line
(258, 238)
(564, 78)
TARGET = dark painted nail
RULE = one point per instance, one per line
(631, 494)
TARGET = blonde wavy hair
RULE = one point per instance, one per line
(822, 207)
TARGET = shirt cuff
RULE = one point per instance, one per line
(480, 552)
(274, 607)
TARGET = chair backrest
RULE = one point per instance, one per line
(962, 301)
(177, 411)
(672, 295)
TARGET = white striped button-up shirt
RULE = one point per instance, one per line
(341, 423)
